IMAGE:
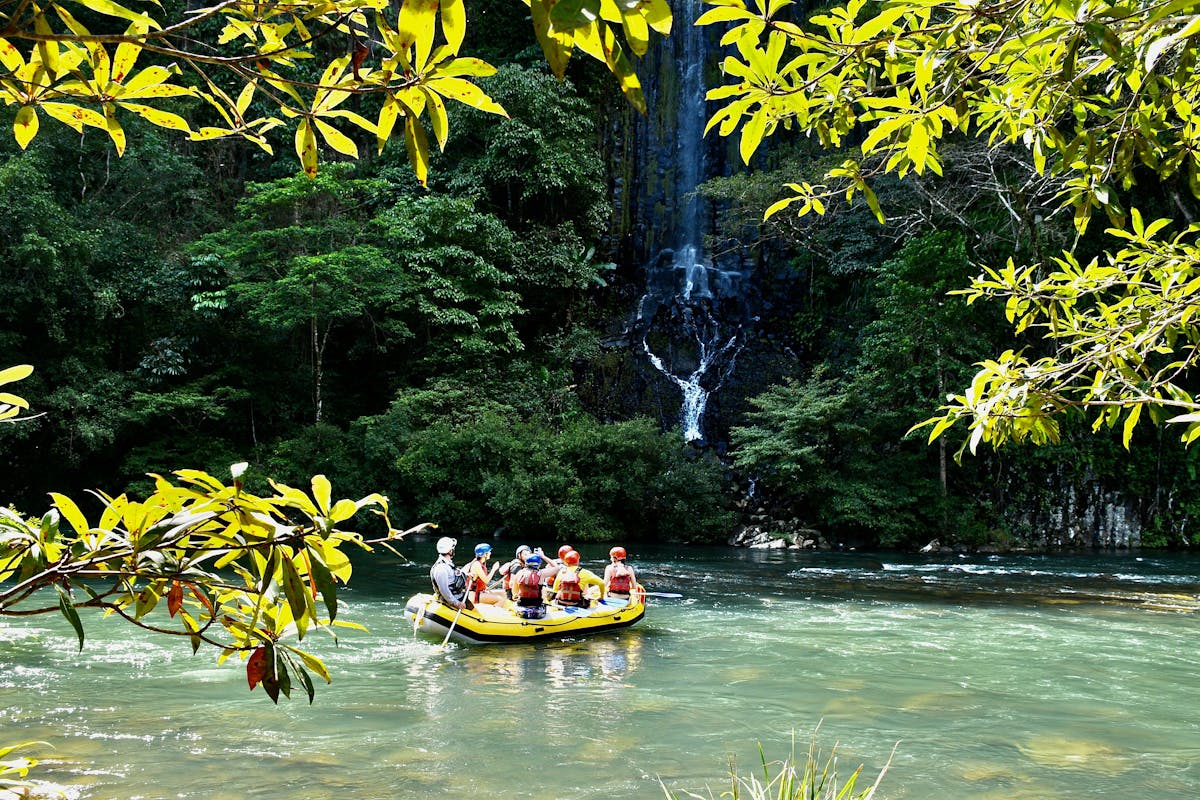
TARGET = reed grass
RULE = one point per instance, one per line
(811, 776)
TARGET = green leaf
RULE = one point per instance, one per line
(297, 595)
(68, 610)
(326, 585)
(567, 15)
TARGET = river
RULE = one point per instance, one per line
(1009, 677)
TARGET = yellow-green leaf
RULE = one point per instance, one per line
(463, 67)
(10, 56)
(454, 23)
(418, 148)
(466, 92)
(75, 116)
(1131, 422)
(111, 9)
(123, 60)
(115, 131)
(306, 148)
(14, 374)
(918, 147)
(322, 492)
(416, 26)
(752, 134)
(312, 662)
(557, 46)
(437, 118)
(387, 120)
(336, 139)
(163, 119)
(25, 126)
(71, 513)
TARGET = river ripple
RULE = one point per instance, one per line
(1000, 677)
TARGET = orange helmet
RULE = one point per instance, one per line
(562, 551)
(617, 552)
(570, 558)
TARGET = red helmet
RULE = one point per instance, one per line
(570, 558)
(617, 552)
(566, 548)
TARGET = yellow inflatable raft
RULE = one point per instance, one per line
(500, 623)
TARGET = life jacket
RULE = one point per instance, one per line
(458, 582)
(478, 584)
(527, 587)
(620, 579)
(570, 588)
(509, 571)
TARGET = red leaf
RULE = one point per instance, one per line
(175, 598)
(256, 667)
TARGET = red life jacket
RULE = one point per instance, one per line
(528, 586)
(570, 588)
(620, 579)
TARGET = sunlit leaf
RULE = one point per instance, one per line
(25, 126)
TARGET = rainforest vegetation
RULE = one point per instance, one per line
(450, 335)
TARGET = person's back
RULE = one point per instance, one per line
(509, 570)
(572, 582)
(619, 578)
(527, 589)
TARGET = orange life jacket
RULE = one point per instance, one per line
(570, 588)
(620, 579)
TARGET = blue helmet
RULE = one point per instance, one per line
(533, 560)
(482, 550)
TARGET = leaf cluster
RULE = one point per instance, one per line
(1097, 93)
(199, 559)
(76, 62)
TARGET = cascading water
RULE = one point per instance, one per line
(684, 317)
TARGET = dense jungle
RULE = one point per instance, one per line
(468, 347)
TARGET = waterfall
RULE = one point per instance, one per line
(691, 317)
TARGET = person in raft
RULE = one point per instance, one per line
(527, 588)
(449, 582)
(509, 569)
(478, 577)
(619, 577)
(572, 582)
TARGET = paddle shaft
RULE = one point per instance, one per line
(454, 622)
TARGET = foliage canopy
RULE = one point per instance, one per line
(313, 63)
(1101, 94)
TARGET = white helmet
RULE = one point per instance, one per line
(445, 545)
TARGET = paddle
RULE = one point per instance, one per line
(668, 595)
(453, 623)
(460, 608)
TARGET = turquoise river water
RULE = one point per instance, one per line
(1003, 677)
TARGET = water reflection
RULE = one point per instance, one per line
(603, 664)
